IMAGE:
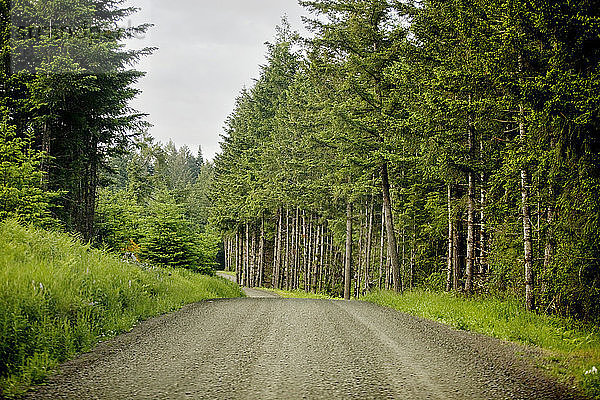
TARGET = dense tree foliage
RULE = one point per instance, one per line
(442, 144)
(66, 83)
(72, 149)
(22, 195)
(154, 207)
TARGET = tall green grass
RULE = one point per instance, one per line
(573, 348)
(59, 297)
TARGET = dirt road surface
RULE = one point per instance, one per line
(273, 348)
(249, 292)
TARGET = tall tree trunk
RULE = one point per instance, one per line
(403, 255)
(348, 257)
(412, 254)
(277, 252)
(286, 255)
(470, 213)
(253, 259)
(369, 246)
(483, 249)
(381, 251)
(298, 255)
(261, 253)
(455, 256)
(527, 228)
(245, 277)
(483, 261)
(527, 242)
(470, 235)
(526, 214)
(358, 269)
(232, 254)
(238, 257)
(293, 254)
(315, 258)
(322, 256)
(225, 252)
(389, 226)
(307, 253)
(449, 264)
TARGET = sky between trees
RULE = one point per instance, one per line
(207, 51)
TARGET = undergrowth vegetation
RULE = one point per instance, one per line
(573, 347)
(59, 297)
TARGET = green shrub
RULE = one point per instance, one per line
(168, 238)
(21, 193)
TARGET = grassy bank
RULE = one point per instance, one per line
(573, 348)
(59, 297)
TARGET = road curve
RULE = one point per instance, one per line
(250, 292)
(299, 349)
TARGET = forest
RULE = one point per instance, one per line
(101, 226)
(436, 145)
(437, 157)
(76, 156)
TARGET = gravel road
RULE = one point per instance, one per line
(273, 348)
(256, 293)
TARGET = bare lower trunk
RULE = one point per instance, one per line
(286, 255)
(449, 263)
(526, 214)
(294, 251)
(470, 211)
(413, 245)
(305, 252)
(483, 261)
(298, 255)
(277, 251)
(321, 258)
(527, 242)
(403, 255)
(381, 251)
(348, 258)
(369, 247)
(238, 257)
(389, 226)
(261, 254)
(470, 235)
(455, 257)
(253, 261)
(315, 258)
(246, 257)
(359, 267)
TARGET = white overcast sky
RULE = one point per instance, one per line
(208, 50)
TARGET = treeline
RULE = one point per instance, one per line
(155, 208)
(74, 155)
(448, 145)
(66, 80)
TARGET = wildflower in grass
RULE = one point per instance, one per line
(592, 371)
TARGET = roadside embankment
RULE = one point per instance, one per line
(59, 297)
